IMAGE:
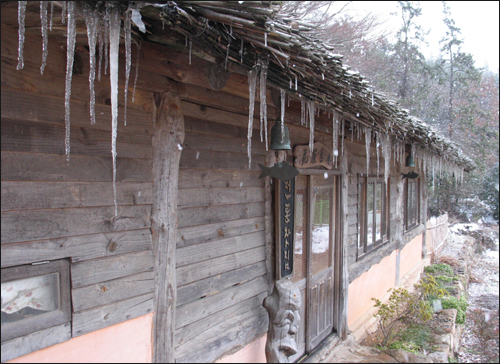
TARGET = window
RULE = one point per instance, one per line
(372, 214)
(412, 203)
(34, 297)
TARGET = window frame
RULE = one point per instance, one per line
(40, 322)
(362, 246)
(411, 218)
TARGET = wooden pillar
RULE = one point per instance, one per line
(423, 211)
(269, 224)
(343, 279)
(398, 234)
(167, 145)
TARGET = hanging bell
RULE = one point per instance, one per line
(279, 140)
(409, 161)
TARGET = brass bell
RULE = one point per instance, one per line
(279, 140)
(409, 161)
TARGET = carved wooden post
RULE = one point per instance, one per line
(283, 306)
(167, 145)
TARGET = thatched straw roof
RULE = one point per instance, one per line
(295, 56)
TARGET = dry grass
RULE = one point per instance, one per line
(448, 259)
(475, 279)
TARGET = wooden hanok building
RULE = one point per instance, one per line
(155, 239)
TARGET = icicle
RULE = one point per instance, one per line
(290, 84)
(350, 94)
(21, 16)
(91, 20)
(265, 39)
(282, 95)
(190, 49)
(106, 37)
(101, 46)
(296, 83)
(63, 12)
(377, 146)
(386, 152)
(227, 55)
(252, 82)
(241, 51)
(343, 125)
(45, 38)
(303, 111)
(368, 140)
(311, 107)
(127, 25)
(263, 101)
(51, 14)
(114, 47)
(69, 71)
(136, 69)
(335, 136)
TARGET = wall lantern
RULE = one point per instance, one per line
(280, 140)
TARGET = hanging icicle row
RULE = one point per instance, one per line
(92, 22)
(114, 47)
(21, 17)
(70, 55)
(311, 108)
(45, 38)
(127, 25)
(252, 82)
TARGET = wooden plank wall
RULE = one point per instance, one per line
(52, 209)
(55, 209)
(357, 165)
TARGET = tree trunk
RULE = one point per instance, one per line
(167, 145)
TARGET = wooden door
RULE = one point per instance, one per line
(315, 233)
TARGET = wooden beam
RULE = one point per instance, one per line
(168, 138)
(342, 270)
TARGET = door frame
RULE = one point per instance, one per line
(337, 254)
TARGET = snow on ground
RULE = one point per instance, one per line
(458, 228)
(483, 294)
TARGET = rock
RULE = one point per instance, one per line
(438, 357)
(403, 356)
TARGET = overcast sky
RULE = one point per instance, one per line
(478, 21)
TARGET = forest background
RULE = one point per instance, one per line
(448, 92)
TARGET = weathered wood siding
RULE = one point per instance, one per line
(397, 237)
(221, 268)
(55, 209)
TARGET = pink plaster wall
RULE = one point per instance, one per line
(126, 342)
(252, 353)
(411, 255)
(373, 283)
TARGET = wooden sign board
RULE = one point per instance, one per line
(320, 156)
(285, 198)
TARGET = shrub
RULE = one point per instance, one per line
(445, 279)
(459, 304)
(440, 267)
(407, 308)
(407, 346)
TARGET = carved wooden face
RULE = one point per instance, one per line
(286, 328)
